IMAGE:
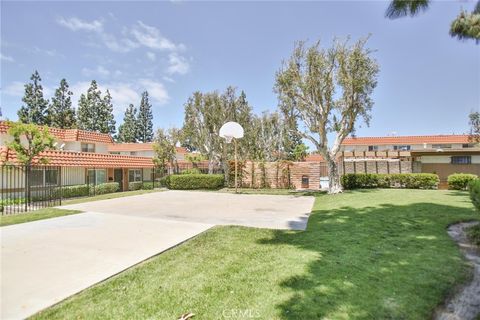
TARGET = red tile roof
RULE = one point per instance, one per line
(406, 140)
(81, 159)
(70, 134)
(314, 158)
(147, 146)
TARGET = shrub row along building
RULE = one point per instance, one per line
(87, 157)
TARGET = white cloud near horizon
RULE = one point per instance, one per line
(99, 71)
(124, 93)
(15, 89)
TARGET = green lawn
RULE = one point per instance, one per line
(372, 254)
(45, 213)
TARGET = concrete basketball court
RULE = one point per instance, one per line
(46, 261)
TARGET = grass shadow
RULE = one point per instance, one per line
(379, 261)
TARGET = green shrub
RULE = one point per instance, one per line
(80, 190)
(474, 189)
(108, 187)
(137, 185)
(147, 185)
(164, 182)
(195, 181)
(398, 180)
(473, 234)
(460, 181)
(191, 171)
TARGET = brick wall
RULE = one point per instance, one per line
(283, 174)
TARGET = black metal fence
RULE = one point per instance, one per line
(27, 188)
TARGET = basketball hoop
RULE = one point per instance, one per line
(230, 131)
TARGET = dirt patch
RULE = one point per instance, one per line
(465, 304)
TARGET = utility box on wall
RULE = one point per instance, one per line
(305, 182)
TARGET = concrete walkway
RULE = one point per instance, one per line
(46, 261)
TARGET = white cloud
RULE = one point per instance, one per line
(150, 37)
(76, 24)
(168, 79)
(50, 53)
(124, 93)
(156, 90)
(177, 64)
(15, 89)
(151, 56)
(99, 71)
(6, 58)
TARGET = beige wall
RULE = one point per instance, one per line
(445, 159)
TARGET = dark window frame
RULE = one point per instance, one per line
(461, 160)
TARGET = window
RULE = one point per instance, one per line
(401, 148)
(43, 177)
(441, 146)
(133, 153)
(88, 147)
(372, 148)
(134, 175)
(461, 159)
(114, 152)
(97, 176)
(468, 145)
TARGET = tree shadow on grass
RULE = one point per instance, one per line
(382, 262)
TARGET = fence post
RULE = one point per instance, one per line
(27, 187)
(61, 186)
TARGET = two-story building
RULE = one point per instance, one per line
(440, 154)
(141, 150)
(83, 157)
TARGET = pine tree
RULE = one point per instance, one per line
(94, 112)
(34, 110)
(127, 132)
(144, 120)
(88, 106)
(107, 120)
(60, 112)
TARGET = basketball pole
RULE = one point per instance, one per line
(235, 143)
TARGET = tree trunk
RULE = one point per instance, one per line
(334, 185)
(210, 166)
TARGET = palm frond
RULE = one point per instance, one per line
(402, 8)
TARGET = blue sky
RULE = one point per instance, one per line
(428, 81)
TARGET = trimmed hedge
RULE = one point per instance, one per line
(80, 190)
(138, 185)
(135, 185)
(396, 180)
(195, 181)
(474, 189)
(460, 181)
(164, 181)
(108, 187)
